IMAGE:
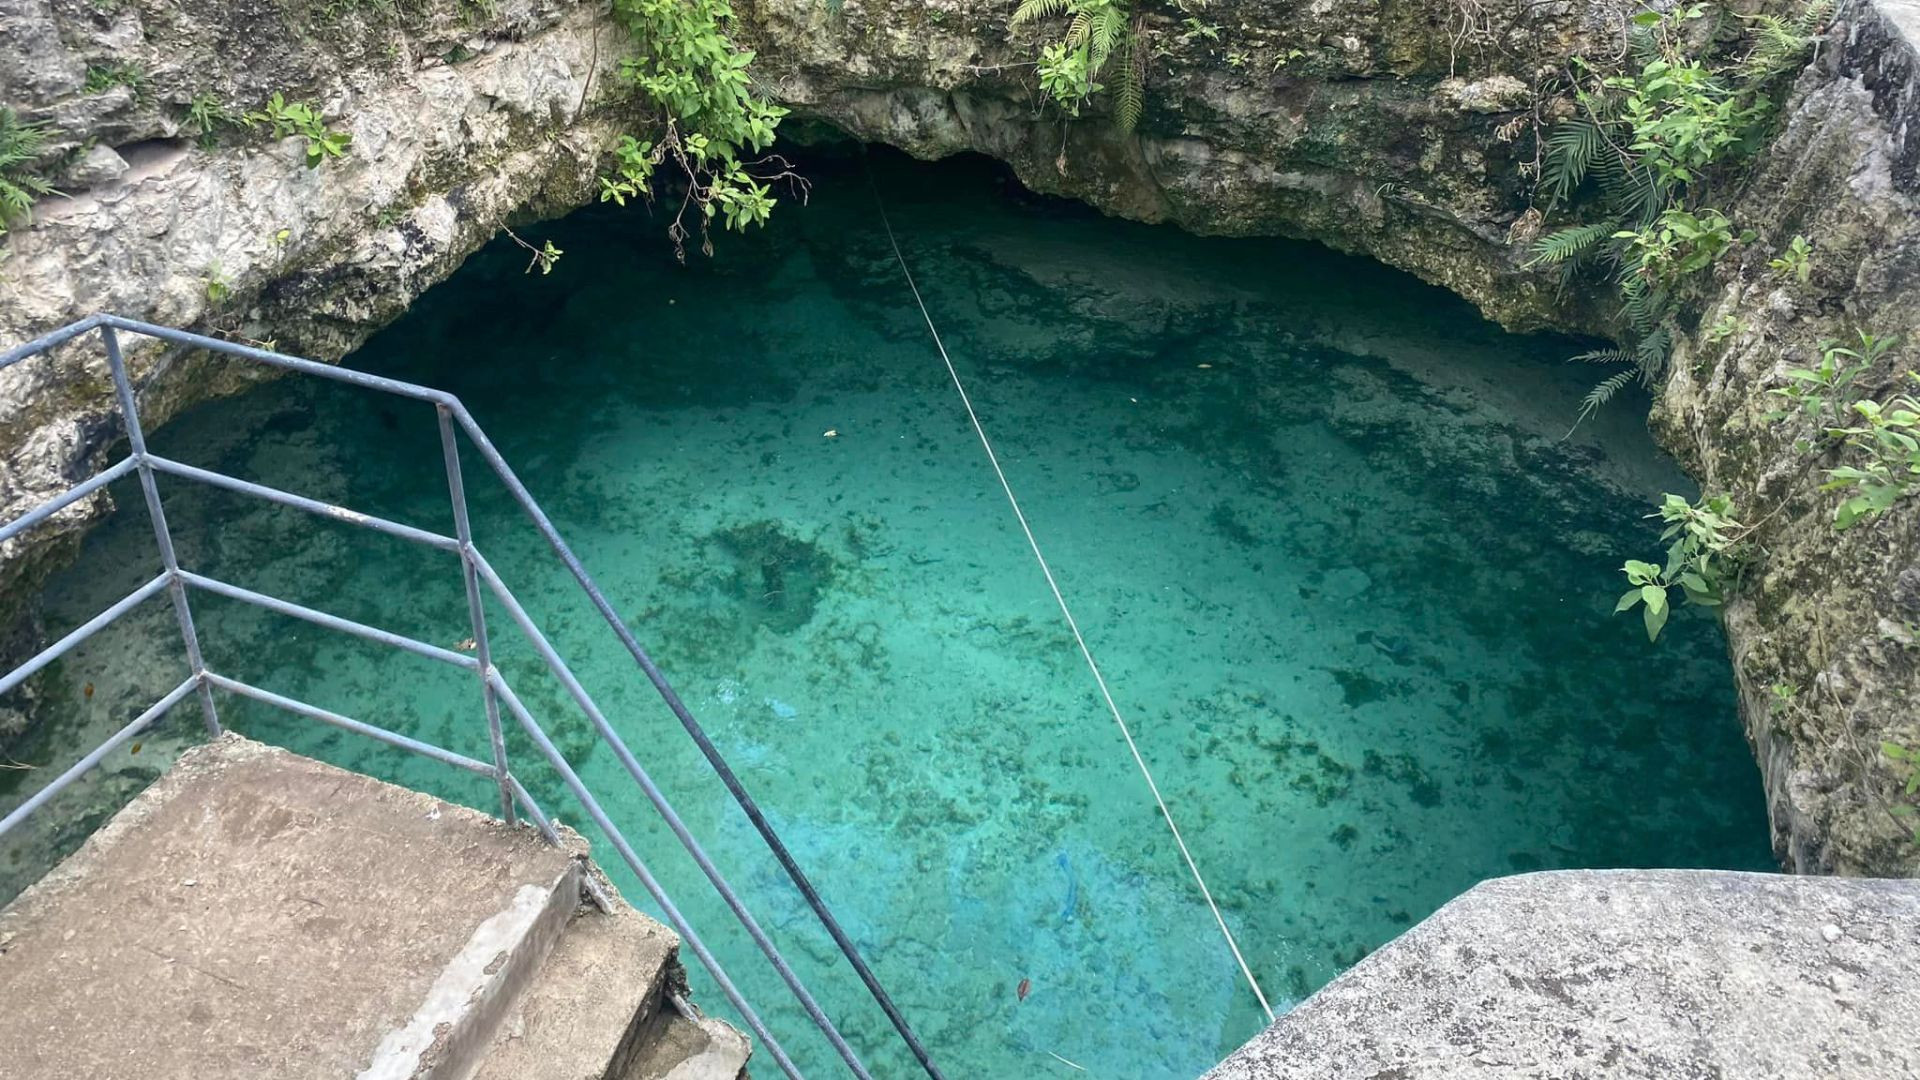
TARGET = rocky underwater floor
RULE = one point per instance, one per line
(1326, 530)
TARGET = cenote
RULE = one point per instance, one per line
(1326, 529)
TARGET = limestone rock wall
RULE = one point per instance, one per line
(1832, 619)
(1373, 127)
(462, 115)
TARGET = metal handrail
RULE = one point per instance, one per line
(495, 690)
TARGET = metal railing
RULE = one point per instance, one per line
(479, 579)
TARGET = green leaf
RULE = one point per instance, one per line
(1627, 601)
(1655, 596)
(1655, 618)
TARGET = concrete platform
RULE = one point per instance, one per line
(1628, 974)
(257, 914)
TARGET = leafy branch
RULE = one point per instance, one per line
(710, 121)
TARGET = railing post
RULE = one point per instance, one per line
(476, 610)
(177, 589)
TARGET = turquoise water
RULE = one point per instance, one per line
(1351, 586)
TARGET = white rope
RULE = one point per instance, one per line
(1067, 612)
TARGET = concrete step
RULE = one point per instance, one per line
(255, 913)
(678, 1046)
(586, 1015)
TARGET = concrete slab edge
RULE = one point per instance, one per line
(450, 1032)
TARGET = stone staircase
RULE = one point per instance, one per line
(586, 1017)
(256, 913)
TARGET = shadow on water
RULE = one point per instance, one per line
(1351, 584)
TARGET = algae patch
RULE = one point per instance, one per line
(776, 578)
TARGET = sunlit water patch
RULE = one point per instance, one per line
(1347, 572)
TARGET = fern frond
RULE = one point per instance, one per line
(20, 148)
(1031, 10)
(1602, 356)
(1076, 34)
(1129, 95)
(1572, 146)
(1632, 190)
(1650, 354)
(1565, 244)
(1811, 16)
(1105, 31)
(1641, 306)
(1781, 44)
(1601, 394)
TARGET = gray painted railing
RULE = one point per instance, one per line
(494, 690)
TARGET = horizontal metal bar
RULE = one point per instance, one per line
(84, 631)
(331, 622)
(301, 502)
(280, 360)
(50, 341)
(639, 868)
(380, 734)
(60, 502)
(99, 754)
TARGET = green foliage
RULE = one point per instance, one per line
(1099, 39)
(710, 120)
(207, 115)
(1880, 441)
(1822, 392)
(1885, 440)
(1678, 244)
(218, 285)
(1197, 31)
(1702, 558)
(1723, 328)
(21, 146)
(286, 118)
(543, 256)
(104, 77)
(1679, 115)
(1632, 163)
(1907, 758)
(1569, 243)
(1796, 262)
(1780, 44)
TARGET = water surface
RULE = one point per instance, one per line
(1349, 581)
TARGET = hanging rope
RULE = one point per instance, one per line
(1065, 611)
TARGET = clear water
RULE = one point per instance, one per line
(1350, 583)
